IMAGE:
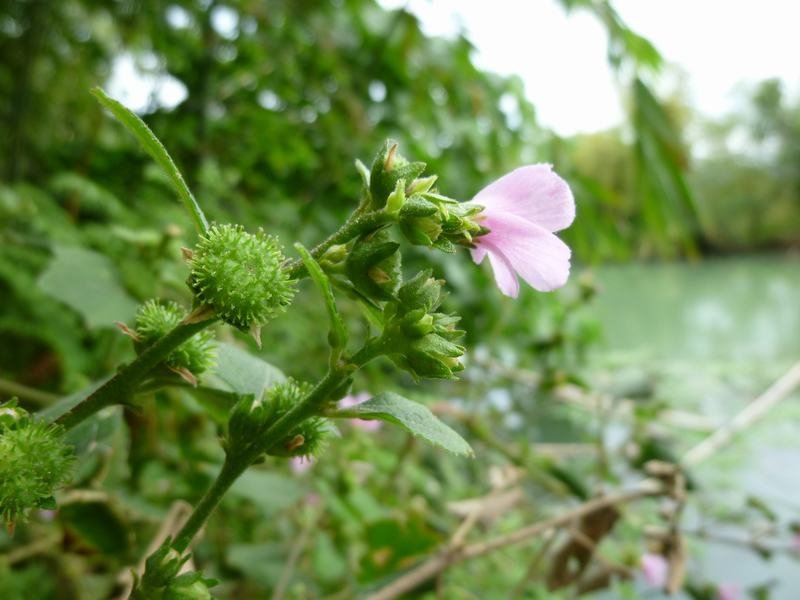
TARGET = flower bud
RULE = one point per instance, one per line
(190, 586)
(238, 274)
(156, 319)
(162, 566)
(422, 291)
(373, 266)
(34, 463)
(423, 340)
(388, 168)
(11, 414)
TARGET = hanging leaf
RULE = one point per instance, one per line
(240, 372)
(411, 416)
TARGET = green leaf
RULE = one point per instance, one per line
(156, 150)
(85, 281)
(338, 334)
(240, 372)
(97, 524)
(268, 491)
(412, 416)
(260, 563)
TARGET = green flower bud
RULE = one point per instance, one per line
(161, 567)
(156, 319)
(388, 168)
(238, 274)
(424, 340)
(34, 463)
(419, 186)
(396, 200)
(11, 414)
(373, 266)
(422, 291)
(190, 586)
(430, 219)
(252, 418)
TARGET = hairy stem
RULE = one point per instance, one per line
(235, 465)
(227, 476)
(355, 225)
(123, 385)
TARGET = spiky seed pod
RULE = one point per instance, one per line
(34, 462)
(239, 275)
(252, 418)
(156, 319)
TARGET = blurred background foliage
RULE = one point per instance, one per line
(276, 99)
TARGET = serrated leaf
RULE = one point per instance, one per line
(411, 416)
(240, 372)
(85, 281)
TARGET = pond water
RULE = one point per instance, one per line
(714, 335)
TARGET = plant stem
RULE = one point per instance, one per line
(236, 464)
(227, 476)
(355, 225)
(26, 393)
(123, 385)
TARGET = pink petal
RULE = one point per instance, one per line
(478, 253)
(300, 464)
(503, 273)
(353, 400)
(538, 256)
(655, 569)
(728, 591)
(534, 193)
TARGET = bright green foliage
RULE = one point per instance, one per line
(34, 463)
(238, 274)
(156, 319)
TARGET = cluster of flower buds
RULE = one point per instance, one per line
(156, 319)
(161, 579)
(34, 462)
(373, 266)
(238, 275)
(252, 418)
(426, 217)
(422, 340)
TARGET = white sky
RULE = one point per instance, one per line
(562, 58)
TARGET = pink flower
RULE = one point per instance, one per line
(522, 210)
(655, 569)
(300, 464)
(365, 424)
(728, 591)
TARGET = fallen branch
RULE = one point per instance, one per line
(453, 555)
(749, 415)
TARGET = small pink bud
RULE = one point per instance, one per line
(655, 570)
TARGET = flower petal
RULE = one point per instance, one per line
(504, 274)
(478, 253)
(534, 193)
(537, 255)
